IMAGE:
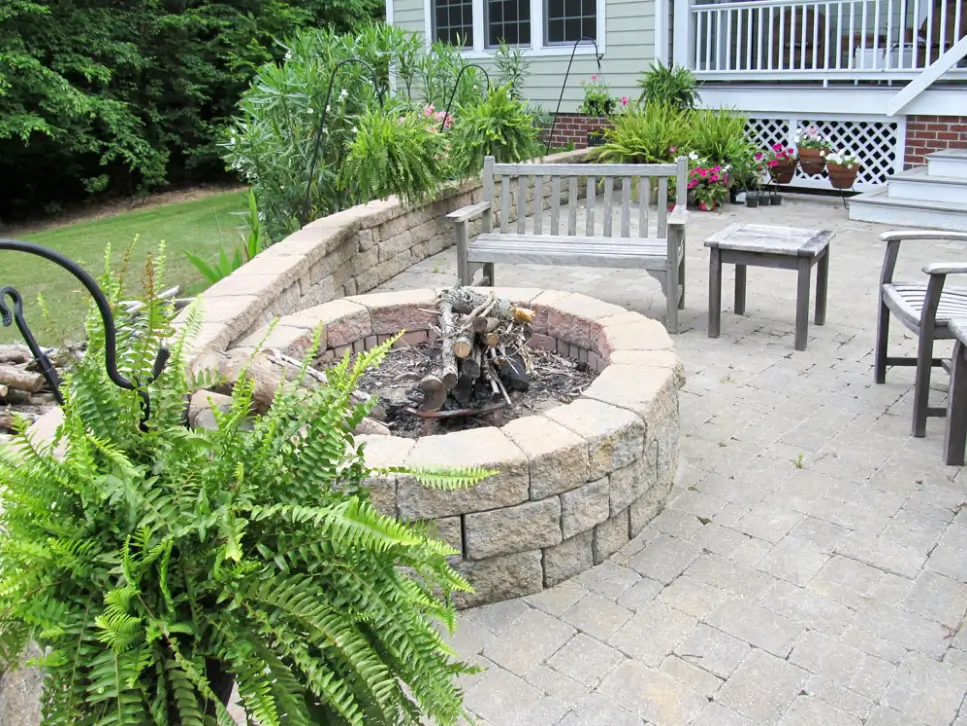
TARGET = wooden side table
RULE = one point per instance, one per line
(955, 434)
(761, 245)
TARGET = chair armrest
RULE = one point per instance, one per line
(922, 235)
(465, 214)
(679, 216)
(946, 268)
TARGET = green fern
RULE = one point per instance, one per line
(156, 566)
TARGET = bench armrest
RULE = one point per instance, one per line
(945, 268)
(465, 214)
(679, 216)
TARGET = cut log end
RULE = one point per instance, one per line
(434, 392)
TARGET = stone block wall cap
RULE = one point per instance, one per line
(591, 418)
(630, 387)
(325, 313)
(487, 447)
(375, 300)
(382, 452)
(590, 308)
(643, 334)
(537, 435)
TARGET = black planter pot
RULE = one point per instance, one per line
(751, 200)
(595, 140)
(775, 200)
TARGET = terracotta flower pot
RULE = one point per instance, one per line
(841, 177)
(811, 161)
(707, 207)
(783, 172)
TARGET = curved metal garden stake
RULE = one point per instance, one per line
(103, 307)
(597, 58)
(456, 87)
(322, 125)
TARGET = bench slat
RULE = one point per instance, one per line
(644, 189)
(504, 202)
(521, 204)
(589, 217)
(572, 206)
(539, 204)
(580, 251)
(663, 204)
(608, 205)
(555, 203)
(626, 207)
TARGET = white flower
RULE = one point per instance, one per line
(354, 129)
(309, 110)
(343, 93)
(288, 55)
(693, 156)
(328, 108)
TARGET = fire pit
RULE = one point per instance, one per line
(576, 479)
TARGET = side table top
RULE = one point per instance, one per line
(770, 239)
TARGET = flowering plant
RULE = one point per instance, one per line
(778, 155)
(709, 185)
(434, 118)
(842, 158)
(597, 98)
(810, 138)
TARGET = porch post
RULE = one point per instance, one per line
(684, 41)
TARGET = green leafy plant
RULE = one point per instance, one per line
(394, 154)
(655, 133)
(251, 246)
(512, 68)
(598, 100)
(672, 85)
(708, 185)
(439, 69)
(501, 127)
(718, 135)
(158, 566)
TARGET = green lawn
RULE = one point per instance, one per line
(200, 226)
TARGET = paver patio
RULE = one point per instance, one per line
(811, 567)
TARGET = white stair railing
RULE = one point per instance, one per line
(928, 77)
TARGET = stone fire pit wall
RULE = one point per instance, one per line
(575, 483)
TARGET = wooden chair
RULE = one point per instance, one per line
(924, 307)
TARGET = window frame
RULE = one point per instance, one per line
(433, 23)
(537, 48)
(546, 21)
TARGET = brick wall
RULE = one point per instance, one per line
(574, 128)
(926, 134)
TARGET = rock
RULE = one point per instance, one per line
(610, 536)
(513, 529)
(615, 436)
(585, 507)
(567, 559)
(629, 483)
(500, 578)
(557, 458)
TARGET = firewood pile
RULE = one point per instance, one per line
(22, 387)
(483, 356)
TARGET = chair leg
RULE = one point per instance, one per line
(882, 339)
(681, 282)
(921, 388)
(488, 271)
(955, 434)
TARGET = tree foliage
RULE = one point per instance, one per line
(155, 565)
(117, 95)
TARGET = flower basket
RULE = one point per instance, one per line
(710, 207)
(783, 171)
(842, 176)
(811, 161)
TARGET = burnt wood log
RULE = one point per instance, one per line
(15, 353)
(463, 345)
(448, 364)
(513, 373)
(465, 300)
(434, 392)
(21, 379)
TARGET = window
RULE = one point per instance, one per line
(453, 22)
(570, 20)
(508, 21)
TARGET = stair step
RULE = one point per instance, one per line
(917, 184)
(949, 163)
(878, 206)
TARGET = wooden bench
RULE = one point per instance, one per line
(601, 241)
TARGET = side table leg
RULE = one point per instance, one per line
(802, 303)
(714, 292)
(740, 282)
(955, 435)
(822, 283)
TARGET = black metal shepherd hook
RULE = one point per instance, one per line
(456, 87)
(104, 308)
(597, 58)
(303, 216)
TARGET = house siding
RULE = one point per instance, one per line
(629, 49)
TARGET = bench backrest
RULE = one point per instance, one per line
(537, 190)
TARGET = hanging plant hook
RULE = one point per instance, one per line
(8, 317)
(304, 214)
(456, 87)
(597, 58)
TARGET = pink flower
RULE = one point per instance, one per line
(624, 100)
(594, 76)
(777, 147)
(758, 156)
(428, 111)
(672, 149)
(402, 120)
(714, 177)
(773, 163)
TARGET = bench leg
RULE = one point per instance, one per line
(802, 303)
(488, 273)
(681, 282)
(955, 435)
(714, 293)
(740, 286)
(882, 340)
(822, 284)
(921, 388)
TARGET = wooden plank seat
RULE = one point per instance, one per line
(924, 307)
(535, 207)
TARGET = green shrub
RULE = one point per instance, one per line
(500, 126)
(512, 69)
(154, 564)
(672, 85)
(654, 133)
(718, 135)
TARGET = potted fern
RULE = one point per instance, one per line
(158, 567)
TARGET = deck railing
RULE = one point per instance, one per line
(827, 39)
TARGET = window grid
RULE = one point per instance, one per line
(567, 21)
(453, 22)
(508, 21)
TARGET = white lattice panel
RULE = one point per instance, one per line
(878, 142)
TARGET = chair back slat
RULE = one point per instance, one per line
(589, 214)
(662, 206)
(555, 203)
(626, 206)
(504, 203)
(644, 191)
(608, 204)
(539, 204)
(521, 204)
(572, 206)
